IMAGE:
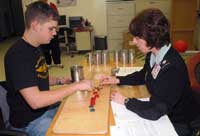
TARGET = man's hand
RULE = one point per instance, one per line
(66, 80)
(84, 85)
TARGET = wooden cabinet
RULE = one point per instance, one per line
(119, 15)
(183, 21)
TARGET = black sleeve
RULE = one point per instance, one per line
(22, 72)
(167, 91)
(136, 78)
(147, 110)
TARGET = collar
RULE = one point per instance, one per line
(156, 59)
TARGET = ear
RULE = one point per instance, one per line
(35, 25)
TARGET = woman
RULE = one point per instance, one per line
(164, 73)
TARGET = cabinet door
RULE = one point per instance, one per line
(119, 21)
(184, 14)
(116, 33)
(119, 15)
(183, 21)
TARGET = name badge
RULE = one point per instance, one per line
(155, 70)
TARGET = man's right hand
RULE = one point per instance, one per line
(84, 85)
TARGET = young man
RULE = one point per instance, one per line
(27, 75)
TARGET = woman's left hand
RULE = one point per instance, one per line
(117, 97)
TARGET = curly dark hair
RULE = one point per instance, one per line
(41, 12)
(152, 26)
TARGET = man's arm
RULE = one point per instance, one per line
(38, 99)
(59, 80)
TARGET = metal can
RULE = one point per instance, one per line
(77, 73)
(97, 57)
(116, 57)
(90, 58)
(131, 56)
(124, 57)
(105, 57)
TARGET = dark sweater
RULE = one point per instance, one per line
(171, 93)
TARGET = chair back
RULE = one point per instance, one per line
(5, 126)
(5, 112)
(193, 66)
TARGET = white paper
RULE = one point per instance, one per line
(130, 124)
(119, 131)
(123, 71)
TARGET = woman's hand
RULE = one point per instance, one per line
(105, 80)
(117, 97)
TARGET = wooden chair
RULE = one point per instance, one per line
(193, 66)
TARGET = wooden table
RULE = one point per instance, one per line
(131, 91)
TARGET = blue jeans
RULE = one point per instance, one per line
(39, 126)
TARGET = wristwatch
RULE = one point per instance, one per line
(126, 101)
(58, 81)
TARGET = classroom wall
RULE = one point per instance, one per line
(93, 10)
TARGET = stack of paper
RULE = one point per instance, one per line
(130, 124)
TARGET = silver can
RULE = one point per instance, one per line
(90, 58)
(124, 57)
(97, 57)
(105, 57)
(116, 56)
(76, 73)
(131, 56)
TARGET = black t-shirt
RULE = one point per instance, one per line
(25, 66)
